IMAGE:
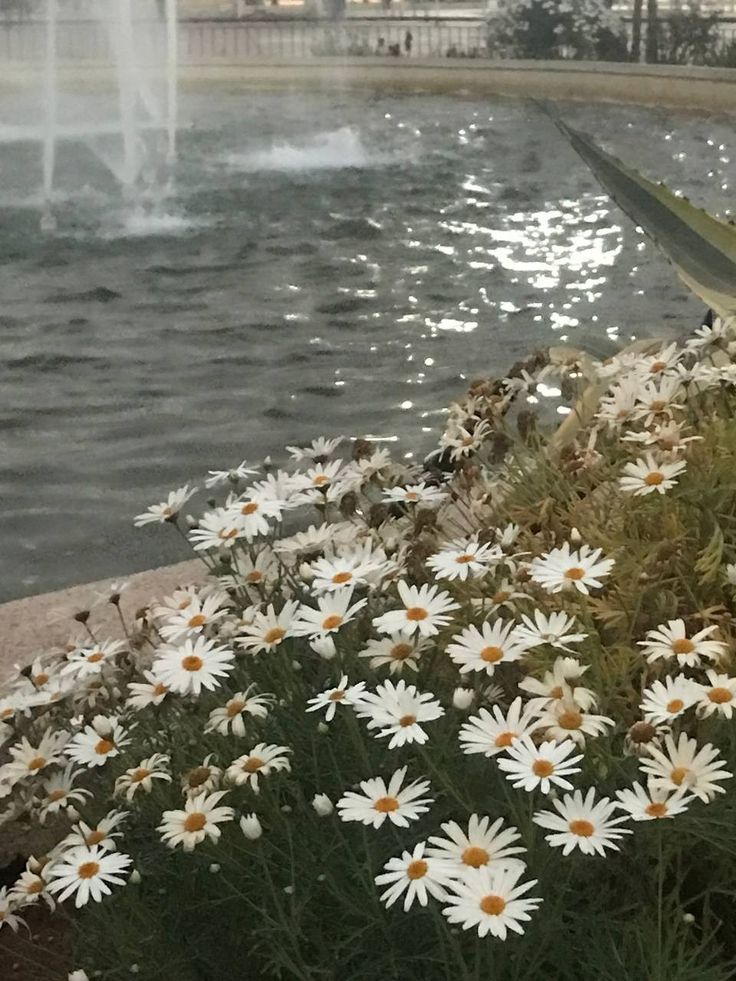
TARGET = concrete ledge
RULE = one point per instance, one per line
(37, 624)
(712, 89)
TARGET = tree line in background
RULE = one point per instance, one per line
(590, 29)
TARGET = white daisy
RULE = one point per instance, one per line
(651, 804)
(647, 476)
(152, 691)
(396, 650)
(311, 540)
(565, 719)
(667, 436)
(196, 664)
(232, 476)
(503, 597)
(98, 743)
(255, 573)
(559, 630)
(559, 685)
(545, 766)
(254, 511)
(398, 711)
(59, 792)
(490, 734)
(621, 405)
(563, 568)
(343, 694)
(103, 834)
(415, 494)
(665, 701)
(27, 760)
(483, 845)
(333, 612)
(7, 914)
(415, 875)
(141, 777)
(199, 614)
(87, 661)
(491, 902)
(319, 449)
(199, 820)
(379, 802)
(718, 696)
(661, 398)
(699, 770)
(221, 528)
(261, 761)
(267, 630)
(201, 779)
(32, 885)
(484, 649)
(340, 571)
(463, 560)
(461, 440)
(670, 640)
(582, 822)
(166, 511)
(425, 610)
(231, 716)
(88, 872)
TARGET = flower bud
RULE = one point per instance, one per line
(322, 728)
(214, 868)
(251, 826)
(78, 976)
(324, 646)
(462, 698)
(575, 537)
(322, 805)
(134, 877)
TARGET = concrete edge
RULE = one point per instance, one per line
(711, 89)
(37, 624)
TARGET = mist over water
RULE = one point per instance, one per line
(312, 264)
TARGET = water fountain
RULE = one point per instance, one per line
(138, 109)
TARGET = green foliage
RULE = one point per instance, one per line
(576, 29)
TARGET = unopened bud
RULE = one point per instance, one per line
(462, 698)
(322, 805)
(251, 826)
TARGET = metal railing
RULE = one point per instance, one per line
(234, 41)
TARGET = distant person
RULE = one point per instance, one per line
(394, 50)
(381, 46)
(408, 41)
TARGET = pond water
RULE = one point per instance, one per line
(318, 264)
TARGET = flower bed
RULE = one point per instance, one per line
(472, 718)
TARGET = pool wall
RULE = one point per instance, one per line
(711, 89)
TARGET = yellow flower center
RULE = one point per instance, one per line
(654, 478)
(336, 696)
(575, 573)
(104, 746)
(225, 534)
(400, 652)
(321, 479)
(658, 405)
(140, 774)
(331, 622)
(160, 689)
(96, 657)
(678, 775)
(683, 646)
(250, 508)
(475, 857)
(676, 705)
(571, 719)
(464, 559)
(720, 695)
(407, 720)
(342, 577)
(94, 838)
(253, 764)
(37, 763)
(6, 713)
(556, 692)
(504, 739)
(656, 810)
(88, 870)
(581, 828)
(491, 654)
(502, 596)
(411, 496)
(542, 768)
(416, 613)
(35, 887)
(198, 620)
(417, 869)
(40, 679)
(55, 795)
(192, 663)
(386, 804)
(657, 366)
(492, 905)
(198, 776)
(195, 821)
(254, 576)
(274, 636)
(235, 707)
